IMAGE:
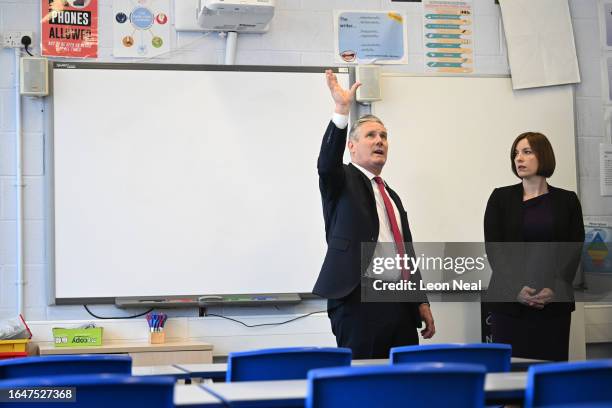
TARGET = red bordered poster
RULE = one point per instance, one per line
(69, 28)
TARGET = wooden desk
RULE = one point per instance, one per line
(143, 353)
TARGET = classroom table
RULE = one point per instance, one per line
(163, 370)
(500, 388)
(522, 364)
(216, 371)
(505, 388)
(516, 363)
(194, 395)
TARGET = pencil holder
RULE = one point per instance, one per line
(157, 337)
(156, 323)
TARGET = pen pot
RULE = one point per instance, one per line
(157, 337)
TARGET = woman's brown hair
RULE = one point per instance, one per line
(541, 148)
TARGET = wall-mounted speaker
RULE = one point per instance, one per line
(369, 76)
(34, 78)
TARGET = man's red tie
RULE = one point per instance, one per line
(397, 235)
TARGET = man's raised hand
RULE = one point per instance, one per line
(342, 97)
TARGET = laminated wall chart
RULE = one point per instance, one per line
(448, 36)
(370, 37)
(597, 254)
(141, 28)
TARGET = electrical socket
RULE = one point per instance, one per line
(12, 39)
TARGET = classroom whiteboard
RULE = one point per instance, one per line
(449, 146)
(186, 180)
(195, 180)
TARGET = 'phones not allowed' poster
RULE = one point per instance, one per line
(69, 28)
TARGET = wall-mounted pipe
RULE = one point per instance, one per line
(19, 184)
(230, 47)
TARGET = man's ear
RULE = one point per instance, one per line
(350, 145)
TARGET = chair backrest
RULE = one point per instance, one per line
(102, 390)
(283, 363)
(584, 382)
(65, 365)
(430, 385)
(495, 357)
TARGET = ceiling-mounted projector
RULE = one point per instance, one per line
(245, 16)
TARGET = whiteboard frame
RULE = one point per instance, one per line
(50, 155)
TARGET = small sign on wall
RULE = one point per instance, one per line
(597, 254)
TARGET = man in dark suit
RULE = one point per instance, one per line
(360, 208)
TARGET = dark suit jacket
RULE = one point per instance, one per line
(503, 223)
(349, 210)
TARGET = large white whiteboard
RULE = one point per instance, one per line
(191, 182)
(449, 146)
(184, 180)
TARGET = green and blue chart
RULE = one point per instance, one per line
(448, 37)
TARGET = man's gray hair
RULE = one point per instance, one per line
(363, 119)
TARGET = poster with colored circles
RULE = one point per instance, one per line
(141, 28)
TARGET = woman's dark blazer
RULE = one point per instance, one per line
(503, 222)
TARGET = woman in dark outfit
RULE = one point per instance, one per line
(541, 232)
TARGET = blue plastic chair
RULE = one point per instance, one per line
(429, 385)
(102, 390)
(495, 357)
(579, 383)
(283, 363)
(65, 365)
